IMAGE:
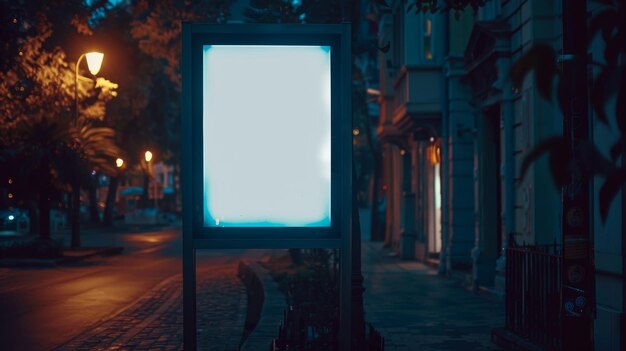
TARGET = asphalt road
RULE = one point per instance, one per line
(41, 308)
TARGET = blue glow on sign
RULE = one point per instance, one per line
(266, 135)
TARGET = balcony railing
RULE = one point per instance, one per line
(533, 291)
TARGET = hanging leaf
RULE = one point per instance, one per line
(559, 158)
(616, 149)
(620, 109)
(604, 22)
(611, 50)
(589, 161)
(381, 3)
(599, 96)
(385, 48)
(611, 186)
(542, 59)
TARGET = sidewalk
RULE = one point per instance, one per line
(415, 309)
(155, 321)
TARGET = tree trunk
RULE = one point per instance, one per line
(94, 216)
(144, 196)
(75, 214)
(33, 214)
(110, 201)
(44, 212)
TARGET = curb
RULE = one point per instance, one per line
(272, 305)
(51, 263)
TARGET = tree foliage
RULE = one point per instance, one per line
(39, 135)
(432, 6)
(586, 161)
(299, 11)
(157, 27)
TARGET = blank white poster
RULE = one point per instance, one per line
(266, 136)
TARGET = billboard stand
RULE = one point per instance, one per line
(267, 146)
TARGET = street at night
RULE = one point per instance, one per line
(133, 301)
(75, 297)
(79, 297)
(313, 175)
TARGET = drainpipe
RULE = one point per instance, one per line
(507, 172)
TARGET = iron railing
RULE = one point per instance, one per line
(295, 335)
(533, 292)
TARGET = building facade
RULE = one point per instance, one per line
(454, 132)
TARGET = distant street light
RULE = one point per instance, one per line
(119, 162)
(148, 156)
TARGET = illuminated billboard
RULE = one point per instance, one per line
(266, 131)
(266, 146)
(267, 134)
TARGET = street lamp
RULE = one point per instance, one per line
(148, 156)
(94, 62)
(119, 162)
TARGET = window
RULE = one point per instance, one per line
(428, 31)
(398, 45)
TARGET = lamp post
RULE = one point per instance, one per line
(148, 156)
(94, 62)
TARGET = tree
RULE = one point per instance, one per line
(305, 11)
(157, 27)
(456, 6)
(36, 99)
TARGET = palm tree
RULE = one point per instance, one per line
(52, 153)
(93, 150)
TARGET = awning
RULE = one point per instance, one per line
(132, 190)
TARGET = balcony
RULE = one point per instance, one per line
(417, 98)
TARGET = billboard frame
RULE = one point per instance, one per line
(196, 236)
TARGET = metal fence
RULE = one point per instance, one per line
(533, 292)
(295, 335)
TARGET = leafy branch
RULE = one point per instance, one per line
(586, 161)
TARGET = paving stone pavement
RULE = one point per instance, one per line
(155, 321)
(417, 310)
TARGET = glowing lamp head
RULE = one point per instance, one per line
(11, 217)
(119, 162)
(148, 156)
(94, 61)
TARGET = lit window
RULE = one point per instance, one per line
(428, 31)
